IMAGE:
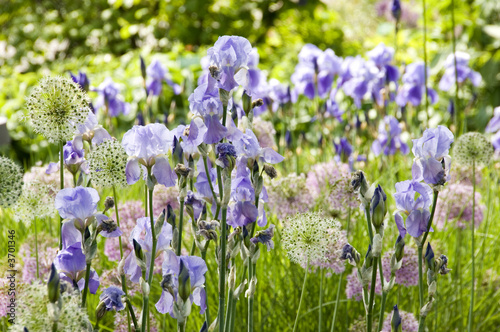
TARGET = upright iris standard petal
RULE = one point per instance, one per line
(413, 88)
(77, 203)
(110, 98)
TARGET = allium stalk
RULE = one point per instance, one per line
(301, 296)
(424, 17)
(61, 179)
(222, 268)
(454, 47)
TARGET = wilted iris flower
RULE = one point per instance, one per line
(464, 72)
(149, 146)
(157, 74)
(432, 160)
(389, 140)
(110, 98)
(413, 89)
(112, 298)
(183, 278)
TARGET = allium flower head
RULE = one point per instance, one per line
(35, 202)
(56, 107)
(454, 207)
(107, 162)
(289, 195)
(307, 236)
(11, 182)
(407, 275)
(473, 148)
(35, 312)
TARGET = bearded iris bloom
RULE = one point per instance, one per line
(112, 298)
(74, 159)
(389, 140)
(157, 74)
(413, 88)
(109, 98)
(464, 72)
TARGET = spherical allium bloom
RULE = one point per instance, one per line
(265, 132)
(149, 145)
(121, 322)
(454, 207)
(307, 237)
(35, 202)
(35, 313)
(11, 182)
(71, 264)
(359, 325)
(177, 272)
(109, 98)
(333, 253)
(157, 74)
(164, 196)
(39, 174)
(473, 149)
(112, 298)
(341, 197)
(407, 275)
(56, 107)
(432, 160)
(413, 89)
(354, 289)
(47, 251)
(408, 322)
(289, 195)
(107, 162)
(389, 138)
(229, 58)
(463, 71)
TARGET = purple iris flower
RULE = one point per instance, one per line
(332, 108)
(201, 184)
(463, 71)
(265, 237)
(231, 54)
(243, 209)
(413, 89)
(81, 79)
(279, 93)
(74, 160)
(224, 152)
(343, 149)
(396, 9)
(389, 140)
(195, 202)
(382, 56)
(329, 65)
(71, 265)
(358, 77)
(110, 99)
(112, 298)
(255, 76)
(248, 147)
(149, 146)
(79, 206)
(90, 130)
(432, 160)
(494, 124)
(142, 235)
(191, 136)
(176, 278)
(413, 199)
(305, 76)
(205, 102)
(157, 74)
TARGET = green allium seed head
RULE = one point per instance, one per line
(308, 236)
(107, 163)
(56, 107)
(473, 148)
(11, 182)
(35, 201)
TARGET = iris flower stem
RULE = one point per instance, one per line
(145, 306)
(471, 308)
(86, 287)
(231, 319)
(382, 309)
(320, 299)
(36, 250)
(337, 299)
(454, 46)
(181, 326)
(229, 308)
(301, 296)
(61, 179)
(369, 223)
(153, 256)
(209, 178)
(222, 270)
(181, 220)
(115, 196)
(207, 311)
(420, 254)
(250, 297)
(369, 314)
(129, 305)
(424, 17)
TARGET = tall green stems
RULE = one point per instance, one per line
(129, 305)
(471, 308)
(369, 314)
(36, 251)
(420, 254)
(222, 269)
(207, 311)
(145, 306)
(250, 298)
(181, 326)
(337, 302)
(454, 46)
(369, 223)
(424, 17)
(181, 220)
(86, 287)
(301, 295)
(384, 297)
(320, 299)
(115, 196)
(61, 179)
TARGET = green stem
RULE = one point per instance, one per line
(181, 220)
(181, 326)
(471, 307)
(36, 250)
(301, 296)
(145, 306)
(129, 305)
(153, 234)
(222, 269)
(209, 178)
(115, 196)
(339, 287)
(425, 60)
(146, 200)
(207, 311)
(369, 223)
(54, 326)
(384, 295)
(320, 299)
(229, 308)
(369, 315)
(454, 46)
(96, 327)
(61, 179)
(250, 298)
(86, 287)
